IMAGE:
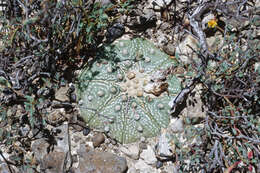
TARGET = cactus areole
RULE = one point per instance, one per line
(126, 89)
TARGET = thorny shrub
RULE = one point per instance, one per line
(230, 137)
(42, 42)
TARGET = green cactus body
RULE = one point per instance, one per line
(121, 93)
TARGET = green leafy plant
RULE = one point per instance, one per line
(30, 108)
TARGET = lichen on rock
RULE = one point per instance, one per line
(125, 91)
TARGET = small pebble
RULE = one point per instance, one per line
(71, 88)
(76, 138)
(39, 92)
(159, 164)
(74, 158)
(81, 102)
(113, 142)
(77, 127)
(86, 131)
(56, 131)
(106, 128)
(46, 92)
(62, 83)
(142, 139)
(139, 93)
(24, 130)
(73, 97)
(98, 139)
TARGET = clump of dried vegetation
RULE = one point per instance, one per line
(230, 76)
(42, 43)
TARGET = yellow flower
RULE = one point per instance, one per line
(212, 23)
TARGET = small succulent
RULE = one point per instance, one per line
(125, 91)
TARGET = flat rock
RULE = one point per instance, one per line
(104, 2)
(215, 42)
(176, 125)
(98, 139)
(164, 149)
(53, 162)
(62, 137)
(131, 151)
(144, 167)
(186, 54)
(161, 3)
(148, 156)
(39, 148)
(56, 115)
(172, 168)
(169, 49)
(144, 20)
(61, 94)
(114, 32)
(101, 162)
(4, 169)
(131, 170)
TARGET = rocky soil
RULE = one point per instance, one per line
(70, 146)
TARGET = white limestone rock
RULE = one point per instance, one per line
(148, 156)
(176, 125)
(131, 151)
(144, 168)
(165, 148)
(186, 54)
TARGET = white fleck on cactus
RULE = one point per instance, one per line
(125, 92)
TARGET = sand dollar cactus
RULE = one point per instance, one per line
(125, 91)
